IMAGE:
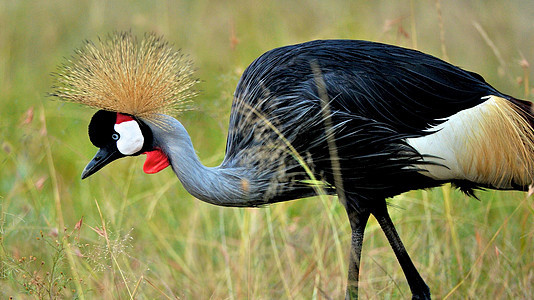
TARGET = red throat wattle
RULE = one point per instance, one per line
(155, 161)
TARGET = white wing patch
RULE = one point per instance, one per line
(446, 143)
(131, 138)
(490, 144)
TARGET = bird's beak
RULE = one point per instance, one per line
(103, 157)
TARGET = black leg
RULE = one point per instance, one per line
(418, 286)
(358, 220)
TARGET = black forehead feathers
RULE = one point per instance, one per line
(101, 127)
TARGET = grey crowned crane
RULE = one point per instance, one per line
(366, 120)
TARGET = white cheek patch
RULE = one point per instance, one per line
(131, 138)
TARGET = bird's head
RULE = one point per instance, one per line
(119, 135)
(133, 82)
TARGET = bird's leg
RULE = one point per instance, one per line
(418, 286)
(358, 219)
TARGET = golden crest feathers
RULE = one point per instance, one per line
(144, 78)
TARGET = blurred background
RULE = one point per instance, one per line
(123, 234)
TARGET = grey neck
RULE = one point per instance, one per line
(216, 185)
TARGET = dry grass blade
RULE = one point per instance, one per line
(479, 258)
(111, 252)
(57, 201)
(158, 289)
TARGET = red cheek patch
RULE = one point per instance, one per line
(155, 161)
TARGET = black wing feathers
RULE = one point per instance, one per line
(379, 95)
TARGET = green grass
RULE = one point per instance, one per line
(144, 237)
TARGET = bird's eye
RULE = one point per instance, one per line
(115, 136)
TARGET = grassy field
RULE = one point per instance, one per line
(123, 234)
